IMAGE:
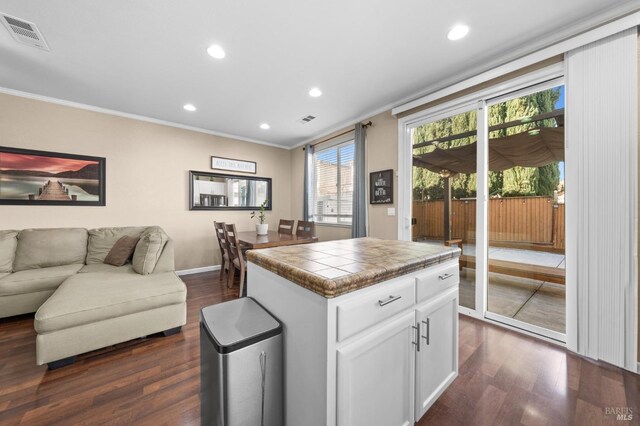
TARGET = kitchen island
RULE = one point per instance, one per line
(370, 327)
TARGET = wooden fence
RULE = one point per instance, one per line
(522, 222)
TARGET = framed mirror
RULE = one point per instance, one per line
(215, 191)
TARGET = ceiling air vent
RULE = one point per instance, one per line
(306, 119)
(24, 32)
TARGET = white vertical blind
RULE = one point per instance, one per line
(601, 169)
(332, 201)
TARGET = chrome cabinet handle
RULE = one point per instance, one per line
(389, 300)
(417, 329)
(426, 323)
(445, 276)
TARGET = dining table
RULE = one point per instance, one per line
(252, 241)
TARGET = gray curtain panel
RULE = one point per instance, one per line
(307, 209)
(359, 225)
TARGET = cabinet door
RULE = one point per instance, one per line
(437, 359)
(376, 376)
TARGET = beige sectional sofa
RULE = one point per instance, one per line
(82, 304)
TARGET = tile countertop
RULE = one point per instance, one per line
(334, 268)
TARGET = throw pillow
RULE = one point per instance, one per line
(149, 249)
(121, 251)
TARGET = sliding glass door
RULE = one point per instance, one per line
(444, 189)
(526, 247)
(488, 177)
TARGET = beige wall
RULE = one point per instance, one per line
(382, 154)
(147, 173)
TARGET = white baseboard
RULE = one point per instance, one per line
(198, 270)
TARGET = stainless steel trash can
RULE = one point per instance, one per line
(241, 365)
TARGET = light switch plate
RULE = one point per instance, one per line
(391, 211)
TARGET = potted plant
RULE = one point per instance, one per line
(261, 228)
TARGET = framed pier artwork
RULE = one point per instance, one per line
(29, 177)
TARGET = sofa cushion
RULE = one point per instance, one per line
(41, 248)
(88, 298)
(103, 267)
(101, 241)
(149, 249)
(8, 244)
(4, 274)
(34, 280)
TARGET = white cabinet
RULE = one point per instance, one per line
(437, 357)
(353, 360)
(376, 375)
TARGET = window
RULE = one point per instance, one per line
(332, 198)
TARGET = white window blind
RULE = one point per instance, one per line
(332, 200)
(602, 164)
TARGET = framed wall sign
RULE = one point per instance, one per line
(31, 177)
(221, 163)
(381, 187)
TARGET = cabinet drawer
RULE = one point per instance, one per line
(357, 315)
(437, 279)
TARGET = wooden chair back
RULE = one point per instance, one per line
(222, 239)
(235, 251)
(286, 226)
(306, 229)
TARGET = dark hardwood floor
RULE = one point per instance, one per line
(505, 378)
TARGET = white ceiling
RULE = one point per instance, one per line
(147, 57)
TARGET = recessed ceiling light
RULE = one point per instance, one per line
(265, 126)
(315, 92)
(189, 107)
(216, 51)
(458, 32)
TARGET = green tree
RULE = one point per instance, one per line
(548, 179)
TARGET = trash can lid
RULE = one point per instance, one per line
(238, 323)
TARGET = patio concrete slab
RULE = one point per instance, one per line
(530, 301)
(467, 288)
(508, 294)
(546, 308)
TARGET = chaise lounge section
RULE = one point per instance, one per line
(81, 303)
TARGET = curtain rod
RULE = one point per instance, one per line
(365, 125)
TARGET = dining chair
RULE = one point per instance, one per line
(306, 229)
(236, 256)
(286, 226)
(224, 249)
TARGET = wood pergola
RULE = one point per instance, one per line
(535, 147)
